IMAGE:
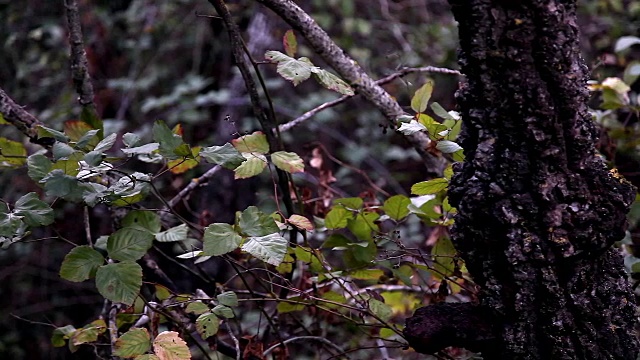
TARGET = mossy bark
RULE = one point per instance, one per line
(538, 210)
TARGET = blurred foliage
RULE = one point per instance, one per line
(168, 60)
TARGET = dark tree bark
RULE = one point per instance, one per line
(538, 211)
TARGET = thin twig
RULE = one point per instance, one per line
(385, 80)
(235, 341)
(111, 325)
(184, 193)
(87, 226)
(303, 338)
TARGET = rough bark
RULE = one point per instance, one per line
(538, 209)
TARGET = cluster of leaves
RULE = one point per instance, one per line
(79, 169)
(443, 134)
(299, 70)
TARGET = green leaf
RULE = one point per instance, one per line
(197, 307)
(39, 166)
(441, 112)
(33, 211)
(119, 282)
(162, 293)
(106, 143)
(446, 207)
(432, 186)
(411, 128)
(367, 274)
(207, 325)
(625, 42)
(353, 203)
(169, 346)
(631, 72)
(290, 43)
(443, 254)
(226, 156)
(420, 99)
(434, 128)
(223, 311)
(180, 166)
(168, 140)
(149, 357)
(176, 233)
(130, 189)
(90, 116)
(288, 161)
(455, 130)
(270, 248)
(88, 333)
(45, 132)
(336, 242)
(286, 266)
(228, 298)
(335, 298)
(131, 139)
(447, 146)
(254, 222)
(363, 253)
(220, 239)
(133, 343)
(396, 207)
(70, 165)
(255, 143)
(145, 219)
(363, 225)
(93, 158)
(337, 218)
(143, 149)
(12, 153)
(3, 121)
(93, 194)
(286, 307)
(60, 334)
(289, 68)
(9, 222)
(74, 129)
(380, 309)
(59, 184)
(81, 263)
(332, 82)
(129, 243)
(458, 155)
(90, 138)
(254, 165)
(448, 172)
(309, 256)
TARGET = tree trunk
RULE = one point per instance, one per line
(538, 210)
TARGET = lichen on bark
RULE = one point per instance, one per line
(538, 210)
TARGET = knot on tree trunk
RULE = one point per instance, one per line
(465, 325)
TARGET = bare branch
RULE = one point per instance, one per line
(184, 193)
(18, 117)
(79, 62)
